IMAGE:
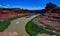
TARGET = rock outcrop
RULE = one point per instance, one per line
(6, 13)
(49, 19)
(50, 6)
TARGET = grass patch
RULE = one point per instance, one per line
(4, 25)
(29, 29)
(33, 29)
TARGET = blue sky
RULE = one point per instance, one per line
(27, 4)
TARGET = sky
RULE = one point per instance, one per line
(27, 4)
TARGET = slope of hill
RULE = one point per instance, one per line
(47, 22)
(6, 13)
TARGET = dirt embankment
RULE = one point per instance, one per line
(6, 13)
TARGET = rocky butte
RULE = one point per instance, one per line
(50, 18)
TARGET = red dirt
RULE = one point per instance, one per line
(6, 13)
(8, 34)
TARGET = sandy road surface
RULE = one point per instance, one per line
(18, 25)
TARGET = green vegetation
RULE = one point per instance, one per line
(28, 16)
(33, 29)
(4, 24)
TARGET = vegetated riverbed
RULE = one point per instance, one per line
(18, 25)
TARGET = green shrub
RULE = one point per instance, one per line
(33, 29)
(4, 24)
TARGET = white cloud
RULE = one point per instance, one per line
(0, 5)
(6, 6)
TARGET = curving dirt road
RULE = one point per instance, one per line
(18, 25)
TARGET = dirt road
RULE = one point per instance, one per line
(18, 25)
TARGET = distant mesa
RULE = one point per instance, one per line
(50, 6)
(50, 17)
(13, 12)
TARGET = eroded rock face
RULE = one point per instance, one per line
(56, 10)
(50, 6)
(51, 22)
(6, 13)
(49, 19)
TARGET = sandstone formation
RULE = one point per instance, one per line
(6, 13)
(49, 19)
